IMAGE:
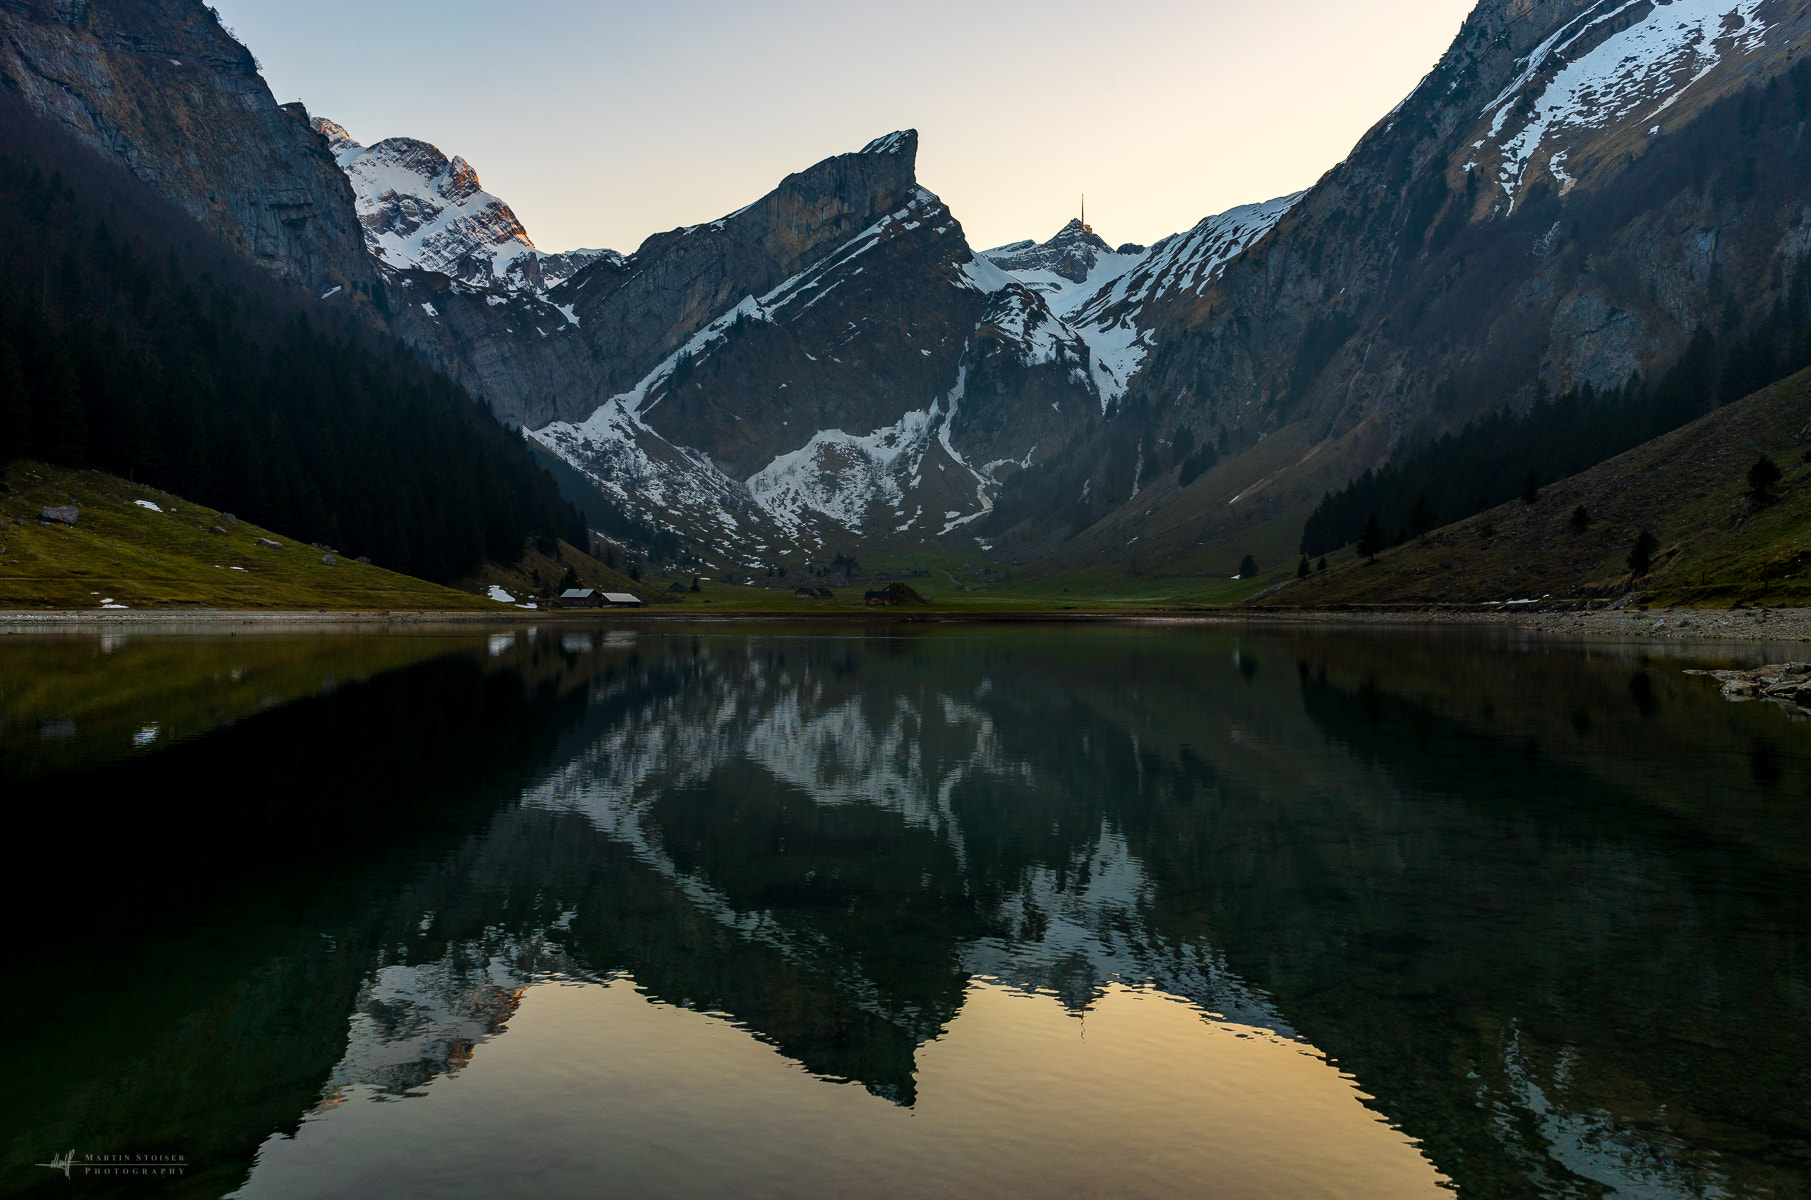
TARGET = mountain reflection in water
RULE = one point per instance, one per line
(1544, 906)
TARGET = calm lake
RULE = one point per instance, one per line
(902, 911)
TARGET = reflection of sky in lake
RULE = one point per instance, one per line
(599, 1087)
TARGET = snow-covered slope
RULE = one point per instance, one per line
(1629, 61)
(1074, 263)
(1104, 297)
(423, 211)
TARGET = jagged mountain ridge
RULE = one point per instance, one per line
(540, 356)
(423, 211)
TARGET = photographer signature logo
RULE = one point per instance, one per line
(116, 1164)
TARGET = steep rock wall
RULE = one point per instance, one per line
(160, 85)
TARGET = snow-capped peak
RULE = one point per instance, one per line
(338, 140)
(424, 211)
(899, 142)
(1071, 254)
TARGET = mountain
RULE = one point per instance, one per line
(1567, 198)
(830, 364)
(1069, 258)
(423, 211)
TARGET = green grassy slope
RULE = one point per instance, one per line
(121, 552)
(1687, 487)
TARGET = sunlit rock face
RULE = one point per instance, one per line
(423, 211)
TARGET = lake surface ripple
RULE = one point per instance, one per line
(687, 911)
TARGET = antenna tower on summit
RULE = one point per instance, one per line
(1086, 228)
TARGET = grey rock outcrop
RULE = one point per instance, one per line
(163, 87)
(1071, 254)
(65, 514)
(831, 360)
(1785, 684)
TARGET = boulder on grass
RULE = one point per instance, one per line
(269, 542)
(63, 515)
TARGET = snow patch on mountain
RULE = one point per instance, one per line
(1099, 294)
(1187, 261)
(841, 476)
(1644, 69)
(984, 276)
(421, 210)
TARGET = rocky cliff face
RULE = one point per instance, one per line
(161, 86)
(423, 211)
(1575, 188)
(831, 362)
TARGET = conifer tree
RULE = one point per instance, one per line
(1761, 478)
(1422, 518)
(1641, 555)
(1371, 540)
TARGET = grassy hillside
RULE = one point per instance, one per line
(1688, 488)
(123, 553)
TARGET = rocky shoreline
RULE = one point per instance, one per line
(1668, 625)
(1785, 684)
(1658, 624)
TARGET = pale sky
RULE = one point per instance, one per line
(601, 122)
